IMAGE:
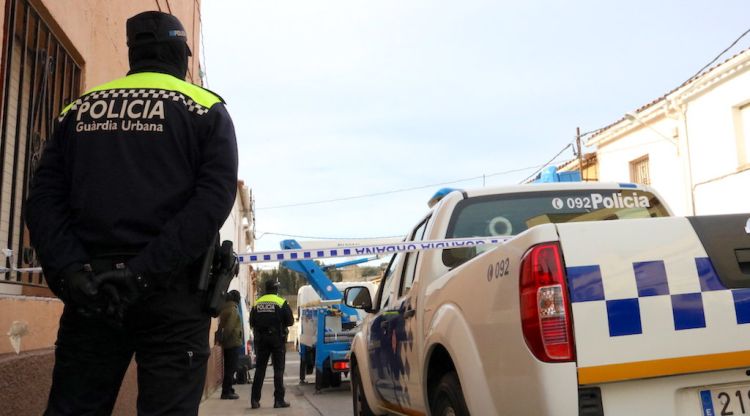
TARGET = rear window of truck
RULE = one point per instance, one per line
(511, 214)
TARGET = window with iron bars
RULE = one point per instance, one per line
(38, 77)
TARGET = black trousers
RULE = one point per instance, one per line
(168, 334)
(231, 356)
(265, 347)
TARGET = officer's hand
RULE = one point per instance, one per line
(126, 284)
(114, 307)
(78, 287)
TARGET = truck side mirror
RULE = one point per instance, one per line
(358, 297)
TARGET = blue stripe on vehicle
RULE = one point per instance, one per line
(707, 275)
(624, 317)
(651, 278)
(707, 402)
(741, 305)
(687, 309)
(585, 283)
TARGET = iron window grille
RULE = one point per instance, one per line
(639, 171)
(38, 77)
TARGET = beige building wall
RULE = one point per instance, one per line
(96, 31)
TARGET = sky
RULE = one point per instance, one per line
(334, 99)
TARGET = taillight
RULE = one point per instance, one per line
(341, 365)
(545, 310)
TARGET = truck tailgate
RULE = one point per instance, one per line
(647, 301)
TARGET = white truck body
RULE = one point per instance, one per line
(653, 328)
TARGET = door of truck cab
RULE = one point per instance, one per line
(393, 357)
(383, 362)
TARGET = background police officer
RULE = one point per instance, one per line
(130, 191)
(270, 318)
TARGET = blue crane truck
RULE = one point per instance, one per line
(327, 327)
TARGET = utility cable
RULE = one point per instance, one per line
(581, 136)
(347, 198)
(687, 81)
(700, 71)
(715, 59)
(550, 161)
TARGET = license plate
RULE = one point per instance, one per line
(726, 401)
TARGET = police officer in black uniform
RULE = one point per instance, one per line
(270, 318)
(131, 189)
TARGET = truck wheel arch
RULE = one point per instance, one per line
(450, 345)
(438, 363)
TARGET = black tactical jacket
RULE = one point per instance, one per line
(146, 164)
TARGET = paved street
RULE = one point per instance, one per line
(304, 401)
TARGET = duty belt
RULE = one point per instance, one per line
(109, 262)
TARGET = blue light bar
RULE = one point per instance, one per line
(440, 195)
(628, 185)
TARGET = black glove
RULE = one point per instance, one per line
(121, 284)
(112, 304)
(76, 286)
(121, 288)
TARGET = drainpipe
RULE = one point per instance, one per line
(683, 108)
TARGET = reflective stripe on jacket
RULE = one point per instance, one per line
(271, 314)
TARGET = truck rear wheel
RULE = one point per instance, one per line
(448, 399)
(335, 379)
(359, 401)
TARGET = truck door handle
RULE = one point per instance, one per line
(410, 313)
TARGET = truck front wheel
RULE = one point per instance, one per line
(447, 398)
(361, 408)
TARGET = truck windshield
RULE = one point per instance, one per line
(511, 214)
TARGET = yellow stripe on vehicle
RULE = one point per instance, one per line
(663, 367)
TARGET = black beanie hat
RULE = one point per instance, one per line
(152, 27)
(157, 42)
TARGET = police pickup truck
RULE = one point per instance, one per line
(601, 303)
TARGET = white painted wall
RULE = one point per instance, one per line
(727, 196)
(720, 177)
